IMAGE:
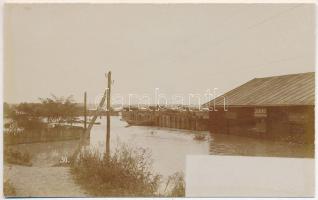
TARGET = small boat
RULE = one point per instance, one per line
(199, 137)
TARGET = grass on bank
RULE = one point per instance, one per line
(176, 185)
(126, 172)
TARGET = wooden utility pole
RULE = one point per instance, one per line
(85, 111)
(109, 77)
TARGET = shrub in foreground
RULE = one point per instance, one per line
(126, 172)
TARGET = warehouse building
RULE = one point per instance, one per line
(279, 107)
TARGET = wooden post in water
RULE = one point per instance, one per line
(109, 77)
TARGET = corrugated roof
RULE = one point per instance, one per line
(292, 89)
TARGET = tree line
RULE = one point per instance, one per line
(37, 115)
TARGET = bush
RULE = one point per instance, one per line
(127, 172)
(8, 189)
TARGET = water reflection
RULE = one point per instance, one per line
(169, 147)
(221, 144)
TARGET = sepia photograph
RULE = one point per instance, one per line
(158, 99)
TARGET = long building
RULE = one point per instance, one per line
(280, 107)
(179, 119)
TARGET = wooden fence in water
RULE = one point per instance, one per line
(58, 133)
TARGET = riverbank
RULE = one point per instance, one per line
(38, 177)
(38, 181)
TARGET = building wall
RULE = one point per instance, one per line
(291, 123)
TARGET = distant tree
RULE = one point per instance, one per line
(30, 116)
(59, 109)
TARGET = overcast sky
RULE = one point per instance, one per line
(180, 49)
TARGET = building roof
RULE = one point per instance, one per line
(292, 89)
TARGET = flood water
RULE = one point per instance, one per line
(168, 147)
